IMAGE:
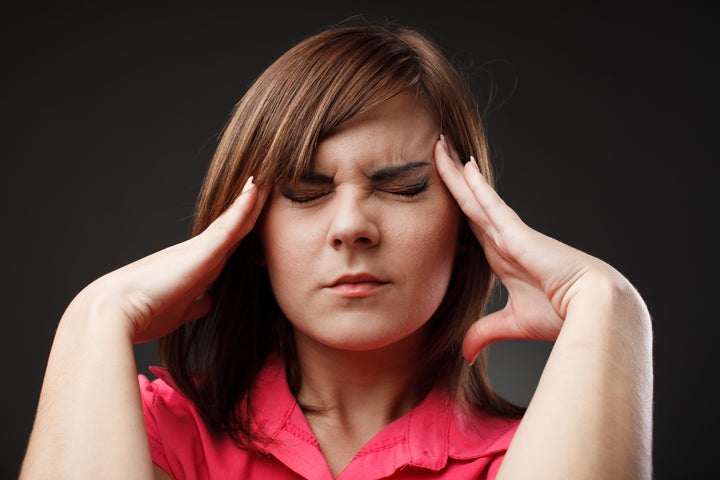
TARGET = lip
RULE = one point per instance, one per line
(356, 285)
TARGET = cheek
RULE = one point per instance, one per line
(291, 245)
(425, 252)
(428, 244)
(434, 232)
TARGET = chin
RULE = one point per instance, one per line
(361, 338)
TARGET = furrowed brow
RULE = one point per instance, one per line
(315, 177)
(395, 170)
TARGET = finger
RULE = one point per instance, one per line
(489, 329)
(262, 195)
(220, 239)
(197, 261)
(198, 308)
(496, 212)
(217, 242)
(167, 322)
(236, 221)
(537, 252)
(530, 318)
(452, 174)
(452, 151)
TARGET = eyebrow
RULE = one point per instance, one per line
(315, 177)
(378, 175)
(395, 170)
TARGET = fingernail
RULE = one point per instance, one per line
(472, 362)
(248, 185)
(474, 163)
(444, 142)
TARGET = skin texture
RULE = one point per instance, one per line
(373, 206)
(593, 404)
(590, 416)
(401, 230)
(89, 422)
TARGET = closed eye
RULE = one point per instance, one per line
(304, 195)
(405, 190)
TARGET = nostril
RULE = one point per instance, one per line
(352, 229)
(338, 242)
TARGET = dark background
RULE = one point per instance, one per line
(602, 122)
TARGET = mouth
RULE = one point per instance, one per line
(356, 285)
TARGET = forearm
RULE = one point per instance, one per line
(591, 414)
(89, 422)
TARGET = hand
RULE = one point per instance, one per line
(541, 274)
(160, 292)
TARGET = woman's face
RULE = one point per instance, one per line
(360, 252)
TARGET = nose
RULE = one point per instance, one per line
(353, 223)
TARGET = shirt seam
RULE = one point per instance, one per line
(300, 433)
(389, 443)
(486, 453)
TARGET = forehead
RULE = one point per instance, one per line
(399, 130)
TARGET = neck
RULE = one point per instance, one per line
(345, 384)
(349, 396)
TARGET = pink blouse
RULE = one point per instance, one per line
(433, 440)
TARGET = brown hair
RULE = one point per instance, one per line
(272, 134)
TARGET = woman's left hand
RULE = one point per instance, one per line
(541, 274)
(593, 403)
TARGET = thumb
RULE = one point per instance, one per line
(491, 328)
(198, 308)
(170, 320)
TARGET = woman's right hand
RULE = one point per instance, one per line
(160, 292)
(89, 421)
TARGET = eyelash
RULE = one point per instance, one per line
(302, 198)
(408, 191)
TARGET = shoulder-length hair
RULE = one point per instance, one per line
(272, 134)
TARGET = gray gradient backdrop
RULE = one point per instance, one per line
(602, 123)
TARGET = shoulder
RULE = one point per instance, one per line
(183, 446)
(161, 389)
(475, 433)
(480, 438)
(467, 432)
(441, 435)
(164, 404)
(179, 440)
(470, 432)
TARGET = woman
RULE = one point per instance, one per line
(327, 317)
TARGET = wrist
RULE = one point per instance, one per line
(98, 312)
(605, 301)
